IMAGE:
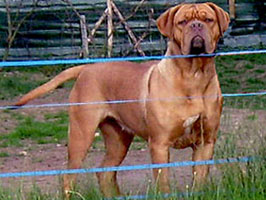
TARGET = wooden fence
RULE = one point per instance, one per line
(55, 28)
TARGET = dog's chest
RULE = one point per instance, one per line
(189, 133)
(189, 122)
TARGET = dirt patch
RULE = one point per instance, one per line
(34, 157)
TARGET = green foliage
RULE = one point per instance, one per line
(18, 81)
(243, 74)
(4, 154)
(253, 117)
(19, 194)
(12, 85)
(52, 130)
(238, 182)
(237, 72)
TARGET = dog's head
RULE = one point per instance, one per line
(196, 28)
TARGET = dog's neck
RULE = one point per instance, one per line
(188, 65)
(188, 72)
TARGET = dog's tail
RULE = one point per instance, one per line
(68, 74)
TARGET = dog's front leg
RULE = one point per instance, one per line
(203, 149)
(160, 154)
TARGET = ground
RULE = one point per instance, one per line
(53, 156)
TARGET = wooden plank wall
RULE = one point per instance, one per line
(53, 30)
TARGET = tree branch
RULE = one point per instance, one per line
(130, 33)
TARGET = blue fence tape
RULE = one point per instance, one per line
(128, 101)
(245, 94)
(118, 59)
(127, 168)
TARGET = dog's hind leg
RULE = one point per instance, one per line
(117, 142)
(83, 124)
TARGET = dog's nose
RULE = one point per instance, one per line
(196, 26)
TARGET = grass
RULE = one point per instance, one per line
(13, 84)
(235, 181)
(243, 74)
(4, 154)
(52, 130)
(19, 194)
(17, 81)
(238, 181)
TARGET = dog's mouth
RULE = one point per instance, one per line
(197, 45)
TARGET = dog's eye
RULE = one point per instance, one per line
(183, 22)
(208, 20)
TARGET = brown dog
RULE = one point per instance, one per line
(188, 107)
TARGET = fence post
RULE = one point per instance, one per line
(130, 33)
(84, 36)
(97, 25)
(110, 28)
(232, 9)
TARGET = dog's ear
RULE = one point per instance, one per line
(166, 20)
(222, 17)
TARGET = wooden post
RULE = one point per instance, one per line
(130, 33)
(232, 9)
(84, 36)
(97, 25)
(110, 28)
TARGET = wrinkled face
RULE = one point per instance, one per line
(196, 28)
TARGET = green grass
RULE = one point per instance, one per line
(12, 85)
(19, 194)
(17, 81)
(4, 154)
(52, 130)
(238, 181)
(243, 74)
